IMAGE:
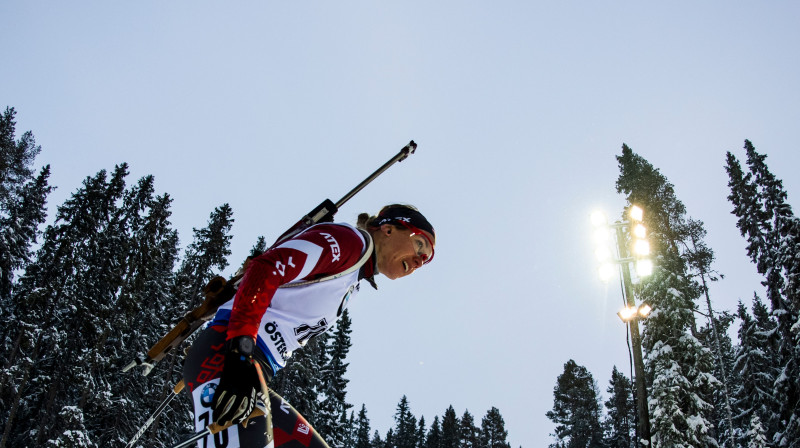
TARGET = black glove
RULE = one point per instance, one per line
(240, 386)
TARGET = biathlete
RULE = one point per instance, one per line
(289, 294)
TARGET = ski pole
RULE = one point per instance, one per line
(175, 391)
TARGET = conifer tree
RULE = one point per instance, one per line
(756, 366)
(204, 257)
(576, 409)
(621, 408)
(22, 200)
(468, 433)
(715, 335)
(421, 439)
(299, 381)
(773, 235)
(434, 437)
(679, 366)
(333, 384)
(756, 435)
(493, 430)
(376, 441)
(362, 429)
(449, 429)
(405, 429)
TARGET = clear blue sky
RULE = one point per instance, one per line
(518, 108)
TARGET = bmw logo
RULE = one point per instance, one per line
(207, 395)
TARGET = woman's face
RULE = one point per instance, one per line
(399, 252)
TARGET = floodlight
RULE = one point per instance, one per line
(599, 219)
(603, 253)
(644, 310)
(636, 213)
(641, 247)
(606, 272)
(602, 235)
(639, 231)
(644, 268)
(626, 313)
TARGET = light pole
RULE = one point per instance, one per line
(636, 254)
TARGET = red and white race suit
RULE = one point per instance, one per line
(284, 319)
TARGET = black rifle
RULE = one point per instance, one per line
(219, 290)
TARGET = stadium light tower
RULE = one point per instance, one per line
(630, 249)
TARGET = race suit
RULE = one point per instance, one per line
(281, 319)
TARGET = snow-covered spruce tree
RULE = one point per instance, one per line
(362, 429)
(621, 412)
(65, 292)
(405, 425)
(140, 317)
(699, 259)
(299, 381)
(678, 365)
(773, 235)
(756, 367)
(756, 435)
(493, 430)
(203, 258)
(74, 435)
(468, 433)
(449, 428)
(576, 409)
(22, 211)
(434, 437)
(22, 200)
(333, 384)
(715, 335)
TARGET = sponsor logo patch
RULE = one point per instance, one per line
(335, 251)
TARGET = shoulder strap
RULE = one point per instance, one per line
(355, 267)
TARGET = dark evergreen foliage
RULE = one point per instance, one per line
(756, 367)
(576, 409)
(405, 429)
(493, 430)
(773, 235)
(449, 429)
(468, 433)
(621, 406)
(333, 384)
(434, 437)
(362, 439)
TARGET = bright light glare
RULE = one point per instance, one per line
(637, 214)
(602, 235)
(627, 313)
(644, 310)
(599, 219)
(644, 268)
(606, 272)
(641, 247)
(602, 253)
(639, 231)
